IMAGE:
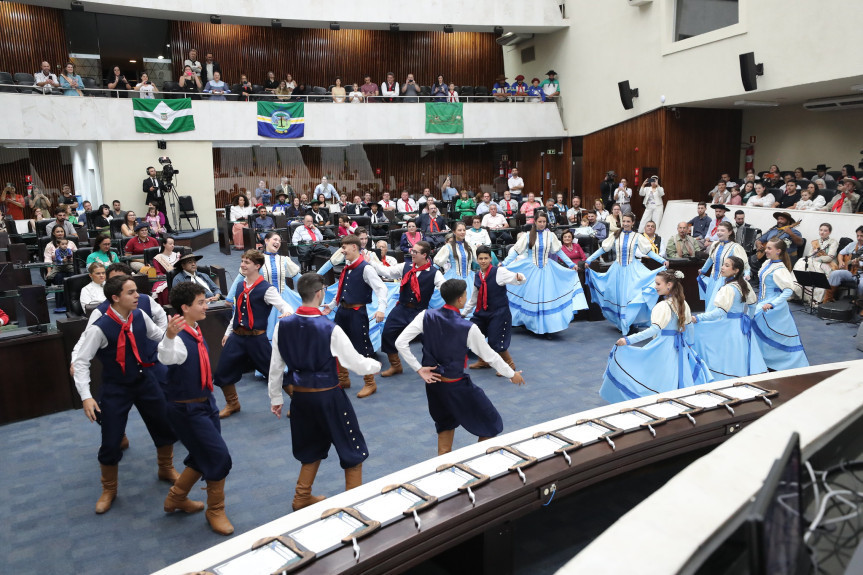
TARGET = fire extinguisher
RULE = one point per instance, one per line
(748, 161)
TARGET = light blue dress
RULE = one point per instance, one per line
(551, 293)
(723, 336)
(626, 292)
(666, 363)
(457, 265)
(712, 280)
(775, 329)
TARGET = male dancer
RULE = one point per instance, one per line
(338, 258)
(419, 278)
(245, 343)
(192, 408)
(453, 398)
(123, 339)
(356, 284)
(490, 306)
(321, 413)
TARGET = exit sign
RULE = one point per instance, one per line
(551, 152)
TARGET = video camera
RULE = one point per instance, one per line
(168, 170)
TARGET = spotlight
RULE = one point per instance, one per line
(214, 19)
(498, 31)
(394, 27)
(447, 28)
(335, 26)
(276, 23)
(77, 6)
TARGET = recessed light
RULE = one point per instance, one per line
(161, 57)
(133, 61)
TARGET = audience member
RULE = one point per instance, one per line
(145, 87)
(500, 90)
(571, 248)
(246, 87)
(117, 211)
(700, 223)
(355, 96)
(296, 209)
(719, 215)
(271, 84)
(369, 89)
(93, 293)
(241, 211)
(338, 91)
(331, 196)
(821, 172)
(410, 237)
(535, 93)
(789, 198)
(528, 208)
(599, 210)
(263, 223)
(346, 227)
(407, 206)
(515, 184)
(439, 89)
(622, 196)
(652, 193)
(12, 202)
(496, 225)
(379, 220)
(386, 260)
(61, 213)
(56, 234)
(847, 199)
(809, 199)
(45, 80)
(554, 216)
(452, 95)
(508, 205)
(117, 81)
(283, 92)
(102, 251)
(747, 192)
(476, 235)
(156, 224)
(720, 193)
(70, 82)
(187, 267)
(682, 245)
(130, 221)
(762, 197)
(599, 228)
(193, 63)
(650, 234)
(447, 191)
(410, 90)
(724, 178)
(386, 203)
(390, 88)
(518, 89)
(424, 198)
(576, 212)
(550, 86)
(39, 200)
(189, 81)
(432, 225)
(216, 87)
(137, 245)
(210, 69)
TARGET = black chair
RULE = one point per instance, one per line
(363, 221)
(7, 79)
(395, 237)
(91, 83)
(115, 229)
(172, 89)
(24, 79)
(79, 259)
(72, 287)
(481, 93)
(319, 94)
(149, 254)
(41, 225)
(466, 92)
(187, 211)
(425, 91)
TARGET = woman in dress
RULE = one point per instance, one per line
(821, 259)
(164, 261)
(667, 362)
(570, 248)
(410, 237)
(102, 252)
(464, 205)
(456, 257)
(723, 336)
(625, 292)
(338, 92)
(545, 303)
(129, 223)
(773, 324)
(240, 213)
(710, 277)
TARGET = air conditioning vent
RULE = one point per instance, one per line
(511, 39)
(846, 103)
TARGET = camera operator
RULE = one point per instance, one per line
(155, 190)
(117, 81)
(607, 188)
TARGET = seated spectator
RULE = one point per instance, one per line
(296, 209)
(719, 216)
(290, 82)
(496, 225)
(650, 234)
(789, 198)
(56, 235)
(271, 84)
(410, 237)
(369, 89)
(736, 199)
(282, 92)
(682, 245)
(387, 261)
(342, 204)
(356, 97)
(130, 221)
(762, 198)
(509, 205)
(188, 272)
(407, 206)
(117, 81)
(37, 215)
(217, 88)
(390, 88)
(500, 90)
(451, 95)
(346, 227)
(720, 193)
(93, 293)
(747, 192)
(338, 92)
(599, 210)
(576, 212)
(571, 248)
(190, 82)
(432, 223)
(156, 224)
(424, 198)
(263, 223)
(146, 87)
(386, 203)
(61, 215)
(483, 207)
(584, 229)
(12, 202)
(724, 178)
(554, 217)
(246, 87)
(102, 251)
(300, 93)
(62, 268)
(847, 199)
(529, 207)
(379, 220)
(410, 90)
(700, 223)
(162, 263)
(600, 231)
(535, 93)
(70, 82)
(476, 235)
(550, 86)
(45, 80)
(614, 219)
(808, 201)
(465, 206)
(357, 208)
(263, 194)
(117, 211)
(439, 89)
(307, 238)
(241, 212)
(518, 90)
(137, 245)
(281, 205)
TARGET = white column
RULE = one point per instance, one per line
(85, 173)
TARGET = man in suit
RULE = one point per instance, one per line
(432, 225)
(155, 190)
(209, 68)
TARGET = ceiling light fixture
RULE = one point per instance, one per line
(447, 28)
(275, 23)
(334, 26)
(215, 19)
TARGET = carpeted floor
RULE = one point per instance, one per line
(50, 477)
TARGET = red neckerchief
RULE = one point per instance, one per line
(385, 262)
(125, 331)
(203, 357)
(244, 297)
(417, 235)
(452, 308)
(303, 310)
(408, 205)
(433, 227)
(411, 277)
(386, 204)
(311, 232)
(482, 296)
(713, 231)
(838, 205)
(345, 271)
(508, 209)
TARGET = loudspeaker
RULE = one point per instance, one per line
(749, 71)
(31, 308)
(627, 94)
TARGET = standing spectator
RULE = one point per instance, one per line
(67, 198)
(452, 95)
(216, 87)
(12, 202)
(518, 89)
(355, 97)
(330, 194)
(448, 192)
(369, 89)
(190, 82)
(271, 84)
(192, 62)
(263, 194)
(338, 92)
(515, 184)
(623, 196)
(607, 190)
(550, 86)
(410, 91)
(439, 89)
(146, 87)
(652, 201)
(286, 188)
(534, 92)
(117, 81)
(390, 88)
(209, 69)
(45, 80)
(39, 200)
(70, 82)
(500, 90)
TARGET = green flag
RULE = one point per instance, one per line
(444, 118)
(163, 116)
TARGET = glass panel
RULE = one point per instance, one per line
(694, 17)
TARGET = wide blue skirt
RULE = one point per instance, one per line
(778, 338)
(666, 363)
(708, 287)
(728, 347)
(547, 300)
(626, 294)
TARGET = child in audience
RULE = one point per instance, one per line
(356, 97)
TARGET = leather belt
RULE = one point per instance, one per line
(351, 305)
(448, 380)
(196, 400)
(244, 331)
(410, 305)
(313, 389)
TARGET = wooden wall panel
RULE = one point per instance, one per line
(316, 57)
(47, 166)
(31, 34)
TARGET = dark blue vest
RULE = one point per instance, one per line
(426, 280)
(184, 380)
(260, 308)
(355, 289)
(144, 302)
(304, 343)
(445, 342)
(111, 371)
(497, 298)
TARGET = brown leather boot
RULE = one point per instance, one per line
(109, 488)
(479, 364)
(508, 359)
(124, 444)
(216, 508)
(444, 441)
(353, 477)
(177, 500)
(395, 365)
(829, 295)
(165, 459)
(344, 378)
(303, 496)
(481, 439)
(232, 401)
(369, 386)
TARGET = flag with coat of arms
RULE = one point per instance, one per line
(278, 120)
(163, 116)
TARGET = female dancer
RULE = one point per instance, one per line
(723, 335)
(707, 287)
(773, 325)
(664, 364)
(456, 257)
(546, 301)
(625, 292)
(821, 259)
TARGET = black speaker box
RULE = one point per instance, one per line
(749, 71)
(626, 94)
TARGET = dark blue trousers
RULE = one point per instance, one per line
(398, 319)
(454, 403)
(243, 353)
(115, 403)
(198, 427)
(496, 326)
(355, 324)
(323, 418)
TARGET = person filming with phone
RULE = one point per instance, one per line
(190, 83)
(117, 81)
(146, 87)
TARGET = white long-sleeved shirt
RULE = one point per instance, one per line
(406, 206)
(396, 273)
(475, 342)
(92, 293)
(371, 277)
(92, 340)
(272, 297)
(341, 348)
(172, 351)
(160, 318)
(302, 235)
(502, 278)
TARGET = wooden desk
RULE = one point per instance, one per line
(690, 281)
